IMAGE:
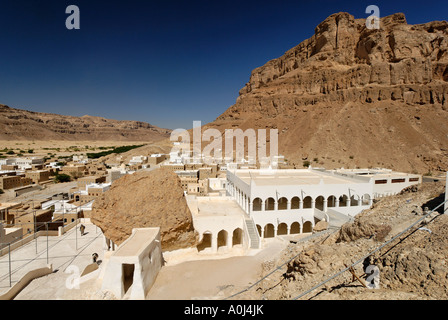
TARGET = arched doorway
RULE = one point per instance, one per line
(259, 229)
(343, 201)
(331, 202)
(282, 203)
(269, 231)
(307, 227)
(307, 202)
(295, 203)
(269, 204)
(282, 229)
(366, 199)
(256, 205)
(206, 241)
(222, 239)
(320, 203)
(295, 228)
(237, 237)
(354, 200)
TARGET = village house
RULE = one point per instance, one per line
(155, 159)
(76, 171)
(83, 182)
(38, 176)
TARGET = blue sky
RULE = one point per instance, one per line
(163, 62)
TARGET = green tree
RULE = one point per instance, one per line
(60, 178)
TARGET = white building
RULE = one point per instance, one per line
(23, 163)
(138, 160)
(81, 159)
(7, 162)
(267, 203)
(292, 201)
(385, 181)
(131, 270)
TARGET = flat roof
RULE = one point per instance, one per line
(290, 177)
(136, 242)
(4, 206)
(374, 173)
(218, 207)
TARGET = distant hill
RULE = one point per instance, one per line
(352, 96)
(19, 124)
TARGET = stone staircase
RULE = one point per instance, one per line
(253, 234)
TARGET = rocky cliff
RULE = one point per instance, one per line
(144, 200)
(19, 124)
(355, 97)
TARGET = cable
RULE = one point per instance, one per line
(369, 254)
(281, 266)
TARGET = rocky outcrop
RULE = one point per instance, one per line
(361, 228)
(354, 96)
(143, 200)
(28, 125)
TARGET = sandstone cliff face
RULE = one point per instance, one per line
(354, 96)
(19, 124)
(144, 200)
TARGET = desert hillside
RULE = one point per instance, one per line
(25, 125)
(350, 96)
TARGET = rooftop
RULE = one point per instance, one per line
(289, 177)
(137, 242)
(376, 172)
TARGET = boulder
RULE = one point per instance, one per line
(143, 200)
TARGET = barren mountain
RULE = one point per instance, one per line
(352, 96)
(19, 124)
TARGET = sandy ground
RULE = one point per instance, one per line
(214, 278)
